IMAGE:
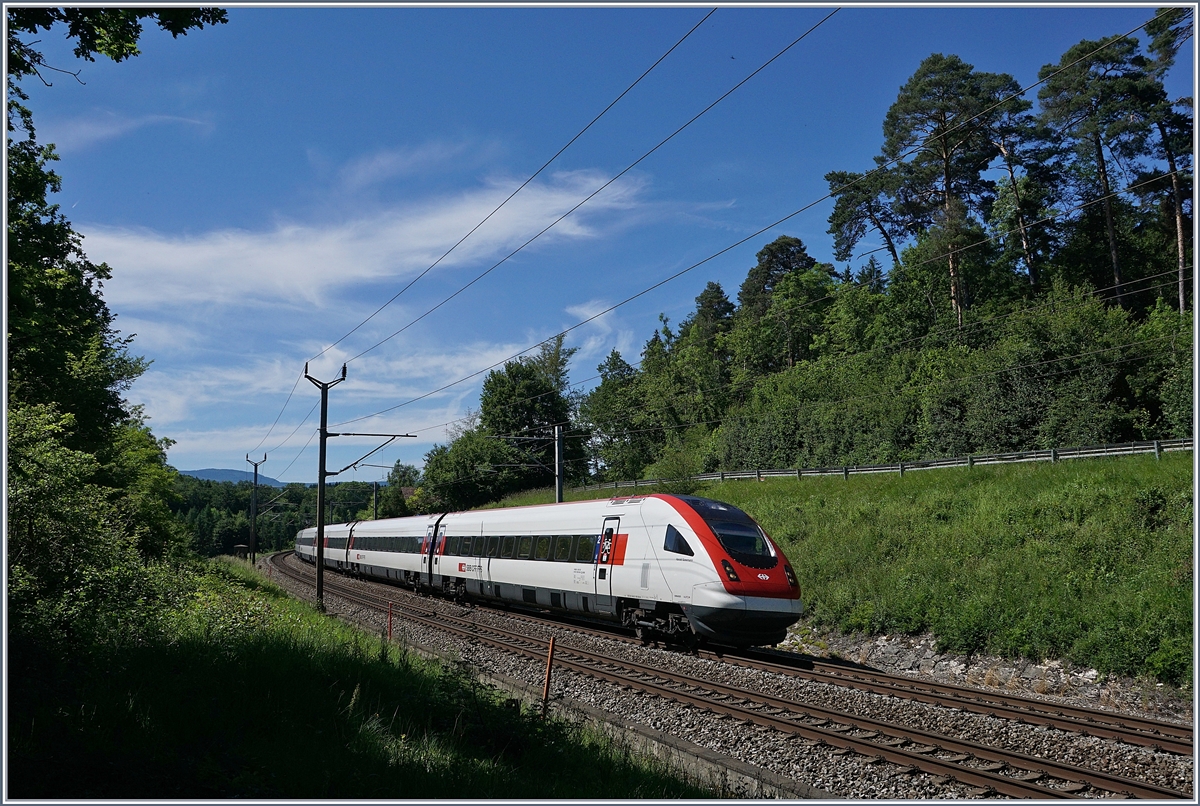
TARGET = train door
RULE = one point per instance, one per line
(426, 543)
(350, 563)
(435, 557)
(604, 563)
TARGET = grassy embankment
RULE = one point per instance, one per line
(1088, 560)
(240, 691)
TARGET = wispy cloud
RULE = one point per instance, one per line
(393, 163)
(307, 263)
(79, 133)
(597, 335)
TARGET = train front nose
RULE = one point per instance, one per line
(734, 620)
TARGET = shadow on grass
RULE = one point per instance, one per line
(294, 706)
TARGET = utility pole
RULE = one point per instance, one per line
(558, 464)
(254, 508)
(375, 500)
(324, 387)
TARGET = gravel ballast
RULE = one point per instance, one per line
(813, 765)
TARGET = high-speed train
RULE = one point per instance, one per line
(674, 567)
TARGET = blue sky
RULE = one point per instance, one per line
(261, 187)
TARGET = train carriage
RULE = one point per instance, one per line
(674, 567)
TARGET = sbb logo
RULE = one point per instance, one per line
(462, 566)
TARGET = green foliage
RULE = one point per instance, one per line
(89, 490)
(611, 413)
(684, 456)
(232, 679)
(391, 497)
(472, 470)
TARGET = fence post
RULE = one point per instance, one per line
(1157, 449)
(902, 470)
(758, 475)
(1054, 454)
(722, 475)
(635, 482)
(845, 473)
(798, 473)
(970, 461)
(546, 685)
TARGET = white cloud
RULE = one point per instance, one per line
(601, 334)
(77, 134)
(297, 263)
(396, 162)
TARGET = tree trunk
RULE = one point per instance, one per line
(1012, 178)
(951, 258)
(891, 247)
(1106, 198)
(1177, 193)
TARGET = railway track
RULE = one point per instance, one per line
(989, 770)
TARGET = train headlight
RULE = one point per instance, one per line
(729, 572)
(791, 575)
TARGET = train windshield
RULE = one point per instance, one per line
(738, 533)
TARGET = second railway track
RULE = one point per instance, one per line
(984, 768)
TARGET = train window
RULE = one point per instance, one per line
(507, 547)
(746, 543)
(493, 546)
(543, 547)
(585, 552)
(736, 530)
(562, 547)
(451, 545)
(477, 549)
(526, 547)
(675, 542)
(464, 548)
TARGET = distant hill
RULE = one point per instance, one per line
(216, 474)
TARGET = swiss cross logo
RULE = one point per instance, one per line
(462, 566)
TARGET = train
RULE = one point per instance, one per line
(675, 568)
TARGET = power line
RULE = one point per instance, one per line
(596, 192)
(485, 219)
(520, 188)
(722, 251)
(928, 385)
(679, 274)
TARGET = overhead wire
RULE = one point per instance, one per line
(664, 282)
(834, 403)
(485, 219)
(594, 193)
(522, 186)
(844, 401)
(722, 251)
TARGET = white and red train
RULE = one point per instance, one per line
(675, 567)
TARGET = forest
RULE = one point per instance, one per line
(1026, 284)
(1010, 273)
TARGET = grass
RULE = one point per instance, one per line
(245, 692)
(1088, 560)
